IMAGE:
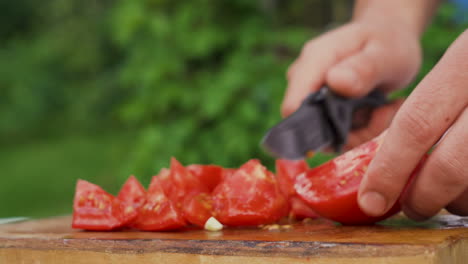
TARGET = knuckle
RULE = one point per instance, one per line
(451, 170)
(415, 124)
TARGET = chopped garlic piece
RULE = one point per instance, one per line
(212, 224)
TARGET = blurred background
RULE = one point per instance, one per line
(100, 89)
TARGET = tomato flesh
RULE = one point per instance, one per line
(208, 175)
(183, 184)
(286, 173)
(95, 209)
(198, 209)
(250, 196)
(331, 189)
(132, 194)
(158, 212)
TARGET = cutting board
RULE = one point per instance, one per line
(443, 239)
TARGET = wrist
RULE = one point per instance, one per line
(410, 16)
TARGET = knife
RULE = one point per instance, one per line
(323, 120)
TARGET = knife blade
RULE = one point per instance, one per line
(323, 120)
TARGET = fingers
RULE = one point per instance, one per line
(460, 205)
(308, 72)
(426, 115)
(443, 178)
(357, 75)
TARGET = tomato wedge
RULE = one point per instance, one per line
(250, 196)
(198, 208)
(286, 173)
(183, 184)
(164, 180)
(208, 175)
(158, 213)
(132, 193)
(331, 189)
(95, 209)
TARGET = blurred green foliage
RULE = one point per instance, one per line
(102, 89)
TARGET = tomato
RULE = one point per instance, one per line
(164, 180)
(331, 189)
(228, 172)
(209, 175)
(286, 173)
(183, 184)
(158, 213)
(132, 193)
(198, 208)
(95, 209)
(250, 196)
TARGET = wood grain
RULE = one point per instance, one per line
(443, 240)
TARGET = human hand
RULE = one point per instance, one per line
(353, 60)
(437, 106)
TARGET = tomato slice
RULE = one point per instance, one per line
(208, 175)
(331, 189)
(286, 173)
(95, 209)
(164, 180)
(250, 196)
(132, 193)
(158, 212)
(183, 184)
(228, 172)
(198, 208)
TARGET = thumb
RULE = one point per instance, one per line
(357, 75)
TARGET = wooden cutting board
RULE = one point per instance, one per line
(441, 240)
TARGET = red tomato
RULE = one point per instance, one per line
(132, 193)
(95, 209)
(197, 209)
(158, 213)
(250, 196)
(286, 173)
(164, 180)
(228, 172)
(208, 175)
(183, 184)
(331, 189)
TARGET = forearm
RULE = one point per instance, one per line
(413, 15)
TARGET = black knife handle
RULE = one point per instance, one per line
(341, 111)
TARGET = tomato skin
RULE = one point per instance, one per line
(198, 209)
(182, 184)
(164, 180)
(331, 189)
(95, 209)
(158, 212)
(132, 194)
(286, 173)
(208, 175)
(250, 196)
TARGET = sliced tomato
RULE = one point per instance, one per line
(164, 180)
(331, 189)
(209, 175)
(183, 184)
(158, 212)
(198, 209)
(228, 172)
(95, 209)
(286, 173)
(132, 193)
(250, 196)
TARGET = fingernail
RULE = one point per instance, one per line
(348, 76)
(373, 203)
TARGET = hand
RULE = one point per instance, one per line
(436, 107)
(353, 60)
